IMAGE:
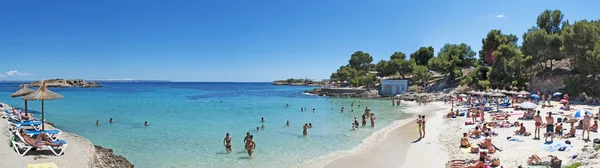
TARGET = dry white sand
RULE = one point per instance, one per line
(514, 154)
(79, 153)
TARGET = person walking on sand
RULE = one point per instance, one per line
(538, 123)
(250, 145)
(423, 122)
(586, 125)
(549, 127)
(419, 123)
(227, 142)
(373, 120)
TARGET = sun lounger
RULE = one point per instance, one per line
(37, 125)
(53, 134)
(19, 143)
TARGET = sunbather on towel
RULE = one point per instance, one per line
(536, 160)
(39, 141)
(464, 141)
(476, 133)
(594, 128)
(571, 133)
(521, 130)
(487, 144)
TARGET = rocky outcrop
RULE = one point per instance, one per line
(345, 93)
(106, 158)
(66, 83)
(295, 84)
(549, 81)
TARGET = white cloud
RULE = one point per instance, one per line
(2, 76)
(16, 73)
(500, 15)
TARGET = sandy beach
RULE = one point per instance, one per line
(397, 146)
(79, 153)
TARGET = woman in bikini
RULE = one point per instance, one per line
(464, 141)
(304, 131)
(372, 119)
(250, 145)
(227, 142)
(364, 121)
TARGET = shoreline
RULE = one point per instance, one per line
(394, 132)
(85, 154)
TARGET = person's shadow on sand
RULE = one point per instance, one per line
(244, 157)
(416, 140)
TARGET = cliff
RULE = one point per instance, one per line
(66, 83)
(106, 158)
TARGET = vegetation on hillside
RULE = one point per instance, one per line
(502, 63)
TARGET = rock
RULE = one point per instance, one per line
(65, 83)
(106, 158)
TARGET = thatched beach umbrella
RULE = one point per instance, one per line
(523, 92)
(22, 92)
(43, 94)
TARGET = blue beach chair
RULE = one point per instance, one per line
(53, 134)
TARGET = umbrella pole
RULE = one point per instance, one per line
(43, 115)
(26, 108)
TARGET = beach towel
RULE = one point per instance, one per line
(42, 165)
(556, 146)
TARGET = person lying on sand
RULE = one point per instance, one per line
(536, 160)
(464, 141)
(487, 144)
(40, 141)
(571, 133)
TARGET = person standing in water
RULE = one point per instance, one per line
(287, 123)
(373, 120)
(110, 121)
(342, 109)
(250, 146)
(364, 120)
(97, 123)
(262, 119)
(304, 130)
(247, 137)
(287, 105)
(145, 123)
(227, 142)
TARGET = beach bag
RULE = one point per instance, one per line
(597, 141)
(11, 141)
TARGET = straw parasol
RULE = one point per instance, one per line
(523, 92)
(22, 92)
(498, 95)
(43, 94)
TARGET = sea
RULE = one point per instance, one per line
(188, 121)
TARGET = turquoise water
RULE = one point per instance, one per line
(187, 122)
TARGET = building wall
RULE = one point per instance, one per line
(393, 87)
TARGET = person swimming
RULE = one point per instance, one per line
(97, 122)
(263, 126)
(342, 109)
(146, 123)
(227, 142)
(262, 119)
(257, 128)
(110, 121)
(287, 105)
(309, 125)
(287, 123)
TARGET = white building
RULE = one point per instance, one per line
(393, 87)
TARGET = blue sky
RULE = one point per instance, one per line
(192, 40)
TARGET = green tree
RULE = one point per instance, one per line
(360, 61)
(451, 58)
(421, 74)
(423, 55)
(494, 39)
(582, 43)
(398, 55)
(543, 42)
(509, 68)
(346, 73)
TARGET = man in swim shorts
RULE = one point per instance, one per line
(549, 127)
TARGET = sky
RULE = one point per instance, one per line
(242, 41)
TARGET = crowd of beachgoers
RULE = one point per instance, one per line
(519, 130)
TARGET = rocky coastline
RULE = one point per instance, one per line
(66, 83)
(295, 84)
(104, 157)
